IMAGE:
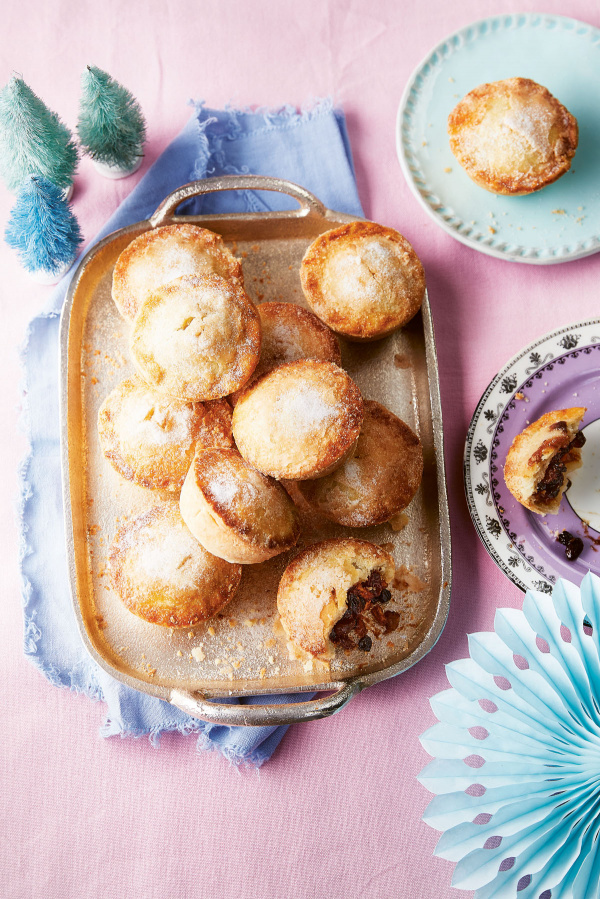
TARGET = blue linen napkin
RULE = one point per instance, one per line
(310, 148)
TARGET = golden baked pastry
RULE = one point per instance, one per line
(512, 137)
(298, 421)
(290, 332)
(150, 439)
(162, 254)
(363, 280)
(236, 512)
(197, 338)
(164, 575)
(378, 480)
(331, 595)
(541, 458)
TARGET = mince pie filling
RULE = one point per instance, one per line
(364, 613)
(551, 483)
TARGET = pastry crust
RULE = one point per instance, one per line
(363, 280)
(164, 575)
(291, 332)
(298, 421)
(313, 591)
(236, 512)
(378, 480)
(162, 254)
(197, 338)
(512, 137)
(150, 439)
(541, 458)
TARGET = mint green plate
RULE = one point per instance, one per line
(560, 222)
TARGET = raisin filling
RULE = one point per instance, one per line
(364, 613)
(573, 545)
(549, 486)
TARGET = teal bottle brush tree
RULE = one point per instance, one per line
(111, 126)
(43, 230)
(33, 140)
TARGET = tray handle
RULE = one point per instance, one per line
(269, 714)
(308, 202)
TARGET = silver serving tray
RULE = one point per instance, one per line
(242, 653)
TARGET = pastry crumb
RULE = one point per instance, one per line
(405, 579)
(398, 521)
(401, 361)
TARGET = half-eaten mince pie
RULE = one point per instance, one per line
(334, 594)
(542, 457)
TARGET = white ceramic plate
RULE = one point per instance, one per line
(560, 222)
(558, 371)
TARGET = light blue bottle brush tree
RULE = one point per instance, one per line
(111, 125)
(43, 230)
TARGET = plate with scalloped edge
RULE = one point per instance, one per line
(560, 222)
(557, 371)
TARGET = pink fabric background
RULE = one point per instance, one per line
(337, 812)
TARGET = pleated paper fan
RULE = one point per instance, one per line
(516, 751)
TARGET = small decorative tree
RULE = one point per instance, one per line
(111, 125)
(33, 140)
(43, 230)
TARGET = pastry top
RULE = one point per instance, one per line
(236, 511)
(512, 137)
(291, 332)
(377, 480)
(363, 280)
(541, 457)
(164, 575)
(299, 420)
(197, 338)
(162, 254)
(313, 591)
(150, 439)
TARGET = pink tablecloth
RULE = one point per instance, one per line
(334, 813)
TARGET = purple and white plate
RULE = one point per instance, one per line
(558, 371)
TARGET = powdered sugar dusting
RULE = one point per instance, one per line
(304, 409)
(224, 489)
(163, 556)
(353, 472)
(516, 131)
(151, 420)
(160, 549)
(284, 341)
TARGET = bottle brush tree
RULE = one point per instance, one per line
(111, 124)
(43, 229)
(33, 140)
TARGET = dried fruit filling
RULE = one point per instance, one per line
(573, 545)
(550, 485)
(364, 614)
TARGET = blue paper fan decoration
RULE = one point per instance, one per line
(517, 752)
